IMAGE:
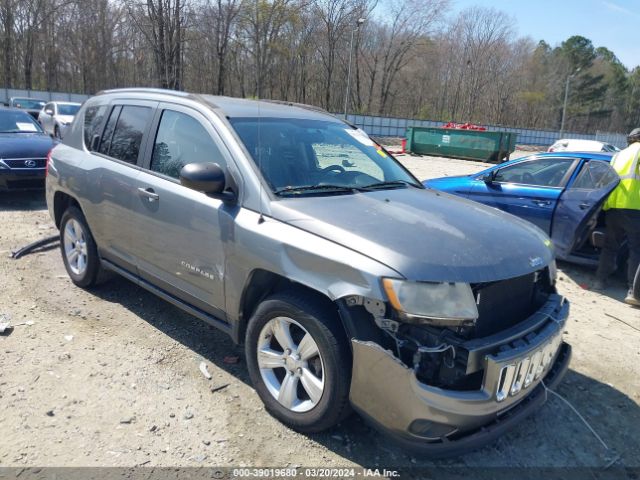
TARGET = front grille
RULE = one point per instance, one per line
(20, 162)
(506, 303)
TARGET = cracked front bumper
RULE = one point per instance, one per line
(438, 422)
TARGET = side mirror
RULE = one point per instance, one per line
(206, 178)
(488, 177)
(48, 111)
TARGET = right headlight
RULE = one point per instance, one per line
(445, 304)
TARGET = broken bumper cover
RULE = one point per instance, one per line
(438, 422)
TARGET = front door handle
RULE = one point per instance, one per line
(584, 206)
(148, 193)
(542, 203)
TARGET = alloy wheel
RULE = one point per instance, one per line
(75, 247)
(290, 364)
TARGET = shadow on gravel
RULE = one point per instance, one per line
(22, 200)
(552, 437)
(207, 341)
(585, 276)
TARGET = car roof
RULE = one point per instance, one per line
(592, 155)
(28, 98)
(232, 107)
(65, 103)
(580, 140)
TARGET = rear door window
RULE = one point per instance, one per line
(124, 131)
(594, 175)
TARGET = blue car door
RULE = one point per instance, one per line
(529, 189)
(579, 205)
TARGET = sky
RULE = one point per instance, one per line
(614, 24)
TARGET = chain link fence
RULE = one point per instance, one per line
(397, 127)
(373, 125)
(9, 93)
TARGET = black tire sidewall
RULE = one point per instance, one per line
(336, 359)
(88, 278)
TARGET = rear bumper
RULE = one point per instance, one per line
(27, 179)
(436, 422)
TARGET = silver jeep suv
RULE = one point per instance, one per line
(349, 283)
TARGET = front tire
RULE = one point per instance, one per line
(79, 251)
(299, 362)
(56, 132)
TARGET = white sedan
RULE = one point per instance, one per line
(55, 117)
(579, 145)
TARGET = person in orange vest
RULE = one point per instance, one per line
(622, 217)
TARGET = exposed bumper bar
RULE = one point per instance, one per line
(488, 433)
(439, 422)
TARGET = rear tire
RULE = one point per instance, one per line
(303, 383)
(78, 248)
(56, 132)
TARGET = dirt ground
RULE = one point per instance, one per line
(110, 377)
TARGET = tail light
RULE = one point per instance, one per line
(46, 165)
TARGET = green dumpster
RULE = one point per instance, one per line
(470, 144)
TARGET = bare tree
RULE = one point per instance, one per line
(162, 24)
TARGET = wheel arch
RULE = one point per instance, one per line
(263, 283)
(61, 202)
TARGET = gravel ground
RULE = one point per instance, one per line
(110, 377)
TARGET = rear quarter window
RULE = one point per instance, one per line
(93, 117)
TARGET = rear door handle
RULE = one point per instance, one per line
(542, 203)
(584, 206)
(148, 193)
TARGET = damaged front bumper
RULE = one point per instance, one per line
(440, 422)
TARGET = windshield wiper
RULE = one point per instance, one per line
(391, 183)
(317, 188)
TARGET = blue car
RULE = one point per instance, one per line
(23, 151)
(560, 192)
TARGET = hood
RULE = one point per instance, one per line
(25, 145)
(423, 234)
(443, 183)
(65, 119)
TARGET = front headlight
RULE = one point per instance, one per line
(447, 304)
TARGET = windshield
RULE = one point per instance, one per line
(12, 121)
(298, 156)
(68, 109)
(27, 103)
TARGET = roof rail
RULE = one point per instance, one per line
(295, 104)
(177, 93)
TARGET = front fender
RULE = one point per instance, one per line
(302, 257)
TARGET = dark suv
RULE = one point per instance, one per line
(349, 283)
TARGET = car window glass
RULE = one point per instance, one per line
(181, 139)
(332, 150)
(105, 143)
(547, 172)
(68, 109)
(295, 153)
(595, 175)
(127, 136)
(17, 121)
(92, 121)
